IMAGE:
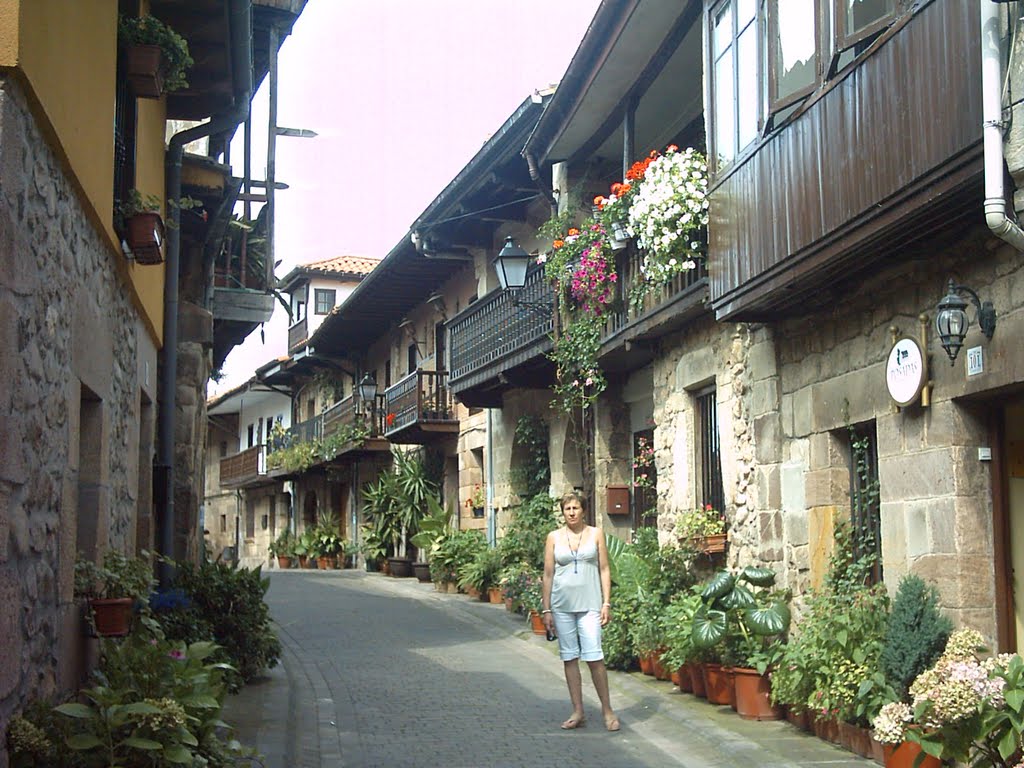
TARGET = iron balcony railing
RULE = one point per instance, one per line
(495, 327)
(422, 397)
(347, 412)
(244, 466)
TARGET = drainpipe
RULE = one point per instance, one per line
(492, 513)
(992, 128)
(241, 58)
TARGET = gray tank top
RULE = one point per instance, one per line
(576, 585)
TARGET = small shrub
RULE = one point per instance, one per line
(227, 603)
(528, 530)
(916, 634)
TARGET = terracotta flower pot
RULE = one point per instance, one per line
(537, 623)
(144, 233)
(112, 617)
(855, 739)
(144, 68)
(660, 671)
(325, 562)
(697, 680)
(826, 729)
(508, 604)
(284, 562)
(494, 594)
(647, 664)
(801, 719)
(753, 700)
(904, 755)
(716, 684)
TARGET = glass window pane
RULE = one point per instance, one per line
(747, 90)
(725, 116)
(723, 30)
(745, 10)
(795, 46)
(863, 13)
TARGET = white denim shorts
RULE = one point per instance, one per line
(579, 635)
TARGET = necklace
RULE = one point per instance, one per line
(574, 552)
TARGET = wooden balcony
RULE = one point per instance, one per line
(495, 344)
(345, 414)
(663, 310)
(297, 334)
(248, 467)
(419, 408)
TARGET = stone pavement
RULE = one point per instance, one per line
(388, 672)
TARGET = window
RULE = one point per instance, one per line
(645, 480)
(124, 136)
(735, 80)
(223, 448)
(252, 435)
(323, 299)
(857, 21)
(710, 470)
(792, 51)
(865, 509)
(223, 523)
(413, 357)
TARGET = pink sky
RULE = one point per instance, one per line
(402, 93)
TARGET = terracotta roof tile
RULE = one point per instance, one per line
(352, 265)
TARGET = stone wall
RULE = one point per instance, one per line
(76, 369)
(935, 496)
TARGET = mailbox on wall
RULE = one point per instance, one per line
(618, 499)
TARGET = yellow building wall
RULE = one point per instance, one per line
(67, 54)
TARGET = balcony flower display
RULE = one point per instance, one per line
(477, 499)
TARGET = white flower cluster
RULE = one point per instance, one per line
(667, 209)
(891, 722)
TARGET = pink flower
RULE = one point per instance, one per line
(177, 654)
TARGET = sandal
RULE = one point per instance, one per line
(573, 722)
(611, 722)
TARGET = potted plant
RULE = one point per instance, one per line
(327, 542)
(156, 56)
(371, 546)
(433, 528)
(746, 618)
(283, 548)
(478, 575)
(138, 221)
(305, 548)
(111, 590)
(703, 530)
(477, 501)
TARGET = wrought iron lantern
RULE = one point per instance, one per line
(511, 264)
(952, 323)
(367, 391)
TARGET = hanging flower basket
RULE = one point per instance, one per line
(144, 233)
(144, 66)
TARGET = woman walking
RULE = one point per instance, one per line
(577, 590)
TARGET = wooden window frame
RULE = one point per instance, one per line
(323, 293)
(845, 40)
(775, 102)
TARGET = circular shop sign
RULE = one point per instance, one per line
(904, 371)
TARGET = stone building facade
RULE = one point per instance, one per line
(78, 385)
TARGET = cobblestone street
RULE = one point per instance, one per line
(388, 672)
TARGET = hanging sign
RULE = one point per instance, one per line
(905, 372)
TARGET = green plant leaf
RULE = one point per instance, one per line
(773, 620)
(72, 709)
(203, 701)
(83, 741)
(740, 597)
(720, 584)
(759, 577)
(1015, 699)
(140, 708)
(186, 737)
(178, 754)
(708, 629)
(136, 742)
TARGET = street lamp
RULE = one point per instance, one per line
(952, 323)
(511, 265)
(367, 391)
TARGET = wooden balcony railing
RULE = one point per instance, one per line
(495, 328)
(243, 467)
(297, 333)
(305, 431)
(630, 274)
(422, 399)
(346, 413)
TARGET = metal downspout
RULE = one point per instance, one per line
(241, 57)
(992, 127)
(492, 514)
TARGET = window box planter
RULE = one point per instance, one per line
(144, 67)
(144, 233)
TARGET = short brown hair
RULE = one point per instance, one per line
(570, 496)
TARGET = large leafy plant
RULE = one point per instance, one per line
(741, 613)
